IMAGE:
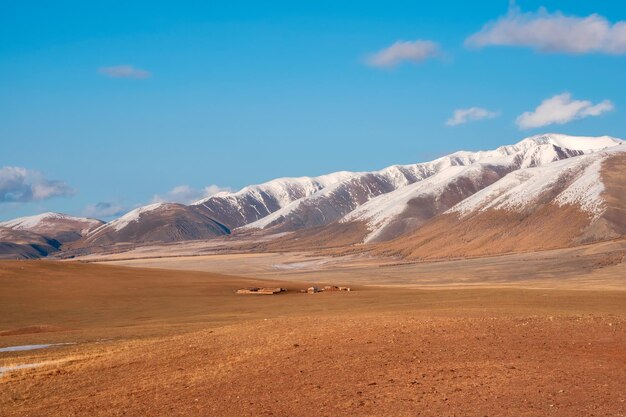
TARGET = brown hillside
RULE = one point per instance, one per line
(331, 236)
(614, 178)
(491, 232)
(500, 231)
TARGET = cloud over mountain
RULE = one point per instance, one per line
(20, 185)
(104, 209)
(186, 195)
(561, 109)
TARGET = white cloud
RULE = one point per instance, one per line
(124, 71)
(561, 109)
(553, 32)
(401, 51)
(104, 209)
(472, 114)
(185, 194)
(20, 185)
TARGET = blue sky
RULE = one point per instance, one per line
(112, 105)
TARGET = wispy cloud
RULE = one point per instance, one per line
(472, 114)
(20, 185)
(553, 32)
(124, 71)
(186, 194)
(104, 210)
(561, 109)
(404, 51)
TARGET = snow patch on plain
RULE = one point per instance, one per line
(31, 347)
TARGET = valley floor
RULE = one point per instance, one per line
(596, 266)
(154, 341)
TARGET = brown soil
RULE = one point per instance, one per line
(31, 330)
(371, 365)
(185, 345)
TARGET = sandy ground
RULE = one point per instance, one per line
(172, 342)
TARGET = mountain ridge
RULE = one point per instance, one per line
(61, 227)
(348, 208)
(382, 209)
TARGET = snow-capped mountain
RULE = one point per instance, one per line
(580, 176)
(160, 222)
(339, 199)
(258, 201)
(383, 204)
(396, 213)
(400, 198)
(210, 217)
(60, 227)
(573, 201)
(403, 204)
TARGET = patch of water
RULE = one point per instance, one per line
(31, 347)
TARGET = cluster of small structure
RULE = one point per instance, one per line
(261, 291)
(313, 290)
(271, 291)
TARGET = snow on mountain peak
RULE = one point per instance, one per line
(30, 222)
(279, 188)
(577, 143)
(336, 195)
(132, 216)
(523, 187)
(535, 151)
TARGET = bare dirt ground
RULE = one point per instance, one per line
(181, 343)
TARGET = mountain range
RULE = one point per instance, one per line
(545, 191)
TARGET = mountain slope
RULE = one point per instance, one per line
(22, 244)
(57, 226)
(161, 222)
(570, 202)
(212, 217)
(400, 212)
(257, 201)
(336, 201)
(406, 204)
